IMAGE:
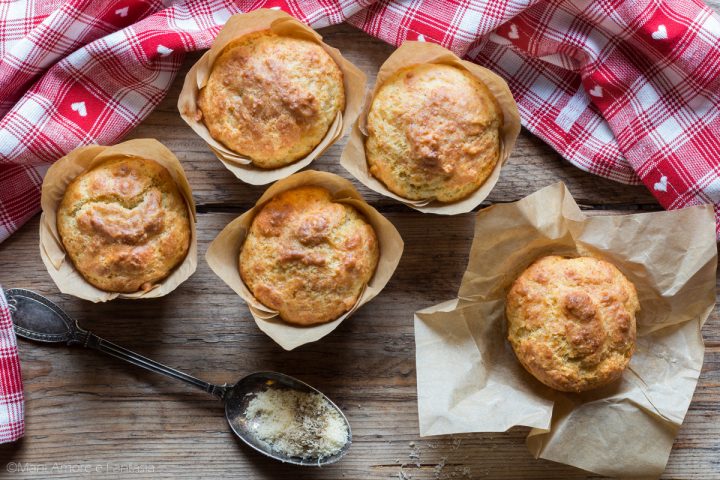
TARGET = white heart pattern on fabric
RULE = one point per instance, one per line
(275, 8)
(164, 51)
(79, 107)
(660, 33)
(596, 91)
(661, 186)
(513, 34)
(421, 37)
(122, 11)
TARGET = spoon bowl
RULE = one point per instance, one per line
(37, 318)
(240, 395)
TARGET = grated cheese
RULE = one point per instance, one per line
(297, 424)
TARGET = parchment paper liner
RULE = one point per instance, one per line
(64, 171)
(224, 252)
(413, 53)
(282, 24)
(470, 381)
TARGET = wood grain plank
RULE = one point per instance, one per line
(86, 408)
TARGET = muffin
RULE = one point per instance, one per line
(272, 98)
(433, 133)
(124, 224)
(571, 322)
(307, 256)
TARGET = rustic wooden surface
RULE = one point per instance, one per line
(91, 415)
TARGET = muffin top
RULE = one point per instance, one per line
(307, 256)
(571, 322)
(124, 224)
(433, 133)
(272, 98)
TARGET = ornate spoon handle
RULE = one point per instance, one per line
(90, 340)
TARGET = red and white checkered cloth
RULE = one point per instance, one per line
(12, 421)
(625, 89)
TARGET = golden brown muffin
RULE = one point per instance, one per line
(124, 224)
(571, 322)
(308, 257)
(272, 98)
(433, 133)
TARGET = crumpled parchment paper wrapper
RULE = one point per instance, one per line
(64, 171)
(413, 53)
(224, 252)
(470, 381)
(283, 24)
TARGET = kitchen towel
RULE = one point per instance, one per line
(625, 89)
(12, 420)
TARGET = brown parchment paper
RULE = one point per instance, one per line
(64, 171)
(413, 53)
(470, 381)
(280, 23)
(224, 252)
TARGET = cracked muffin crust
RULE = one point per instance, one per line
(124, 224)
(433, 133)
(272, 98)
(307, 256)
(571, 322)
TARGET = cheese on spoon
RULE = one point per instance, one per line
(297, 424)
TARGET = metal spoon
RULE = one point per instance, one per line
(37, 318)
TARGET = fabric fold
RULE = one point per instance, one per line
(12, 404)
(624, 90)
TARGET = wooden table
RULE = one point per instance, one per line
(89, 414)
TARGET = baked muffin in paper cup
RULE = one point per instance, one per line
(280, 23)
(224, 252)
(469, 379)
(63, 172)
(410, 54)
